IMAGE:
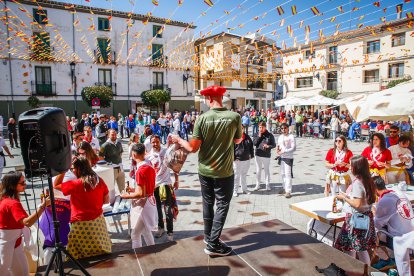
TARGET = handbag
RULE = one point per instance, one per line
(359, 221)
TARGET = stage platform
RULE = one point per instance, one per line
(267, 248)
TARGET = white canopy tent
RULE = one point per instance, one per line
(394, 104)
(290, 101)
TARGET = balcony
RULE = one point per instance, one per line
(255, 85)
(43, 89)
(111, 85)
(160, 86)
(108, 58)
(159, 61)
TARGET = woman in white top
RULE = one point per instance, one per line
(359, 197)
(335, 126)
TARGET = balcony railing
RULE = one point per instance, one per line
(43, 89)
(332, 86)
(111, 85)
(109, 57)
(159, 86)
(255, 85)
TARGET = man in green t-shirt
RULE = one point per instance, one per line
(214, 134)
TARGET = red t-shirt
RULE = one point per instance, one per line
(11, 212)
(145, 177)
(330, 157)
(384, 156)
(393, 141)
(84, 205)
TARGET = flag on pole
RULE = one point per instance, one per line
(280, 10)
(209, 2)
(294, 11)
(315, 11)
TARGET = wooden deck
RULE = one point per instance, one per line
(267, 248)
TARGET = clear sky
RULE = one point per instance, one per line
(261, 16)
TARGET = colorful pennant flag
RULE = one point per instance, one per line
(180, 2)
(209, 2)
(294, 11)
(409, 15)
(377, 4)
(399, 8)
(340, 9)
(280, 10)
(282, 22)
(301, 24)
(155, 2)
(315, 11)
(333, 18)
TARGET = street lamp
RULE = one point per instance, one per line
(186, 76)
(72, 73)
(313, 70)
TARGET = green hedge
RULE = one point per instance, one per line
(333, 94)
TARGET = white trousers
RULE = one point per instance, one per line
(240, 174)
(265, 163)
(12, 260)
(139, 231)
(285, 172)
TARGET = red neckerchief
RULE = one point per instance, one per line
(88, 140)
(384, 193)
(243, 136)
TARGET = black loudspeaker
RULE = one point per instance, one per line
(44, 140)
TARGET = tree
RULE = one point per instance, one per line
(333, 94)
(103, 93)
(33, 101)
(155, 98)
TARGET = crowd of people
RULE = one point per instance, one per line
(225, 147)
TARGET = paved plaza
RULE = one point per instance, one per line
(308, 183)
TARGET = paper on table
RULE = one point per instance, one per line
(332, 215)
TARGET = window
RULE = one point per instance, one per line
(308, 54)
(333, 55)
(43, 80)
(40, 16)
(398, 39)
(304, 82)
(105, 77)
(156, 31)
(396, 70)
(373, 46)
(371, 76)
(158, 80)
(103, 24)
(41, 44)
(156, 52)
(104, 49)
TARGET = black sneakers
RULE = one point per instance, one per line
(219, 249)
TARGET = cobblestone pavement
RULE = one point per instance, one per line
(309, 174)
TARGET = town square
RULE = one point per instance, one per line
(206, 137)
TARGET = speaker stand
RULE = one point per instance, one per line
(59, 248)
